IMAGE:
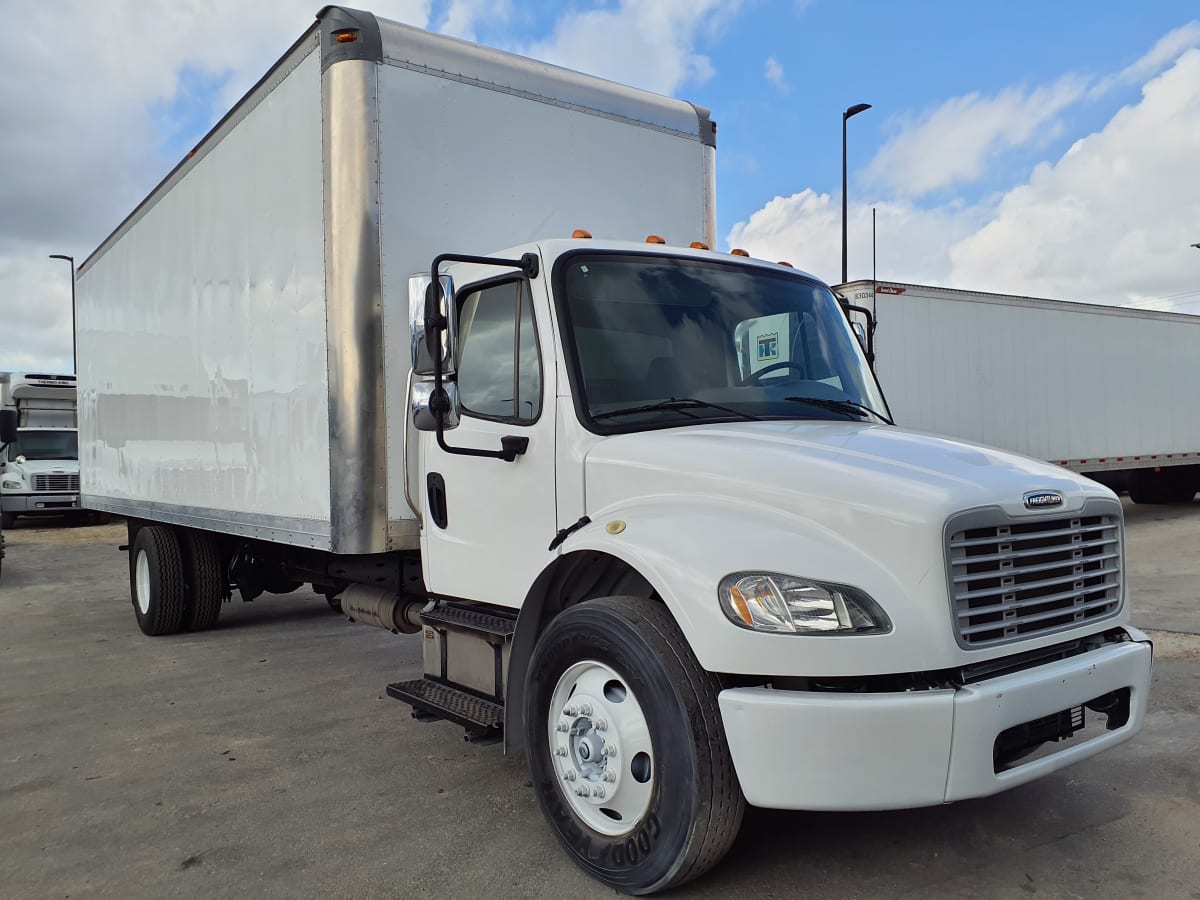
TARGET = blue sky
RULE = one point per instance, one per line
(1038, 148)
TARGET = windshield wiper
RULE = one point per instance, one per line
(850, 407)
(676, 404)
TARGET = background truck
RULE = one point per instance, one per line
(39, 466)
(1096, 389)
(678, 581)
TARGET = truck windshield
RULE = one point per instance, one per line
(661, 341)
(45, 445)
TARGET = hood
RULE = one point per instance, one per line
(823, 470)
(42, 466)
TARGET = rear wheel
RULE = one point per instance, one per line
(1178, 484)
(627, 749)
(156, 580)
(206, 580)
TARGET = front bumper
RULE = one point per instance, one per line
(39, 504)
(830, 751)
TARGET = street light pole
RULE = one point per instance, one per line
(852, 111)
(74, 358)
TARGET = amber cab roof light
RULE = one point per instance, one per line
(581, 233)
(699, 245)
(654, 239)
(737, 251)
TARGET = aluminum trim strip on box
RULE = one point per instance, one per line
(280, 529)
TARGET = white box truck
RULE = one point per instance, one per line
(678, 581)
(39, 460)
(1093, 388)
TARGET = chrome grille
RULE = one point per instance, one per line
(49, 482)
(1020, 578)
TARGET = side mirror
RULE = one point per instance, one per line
(8, 426)
(421, 400)
(860, 332)
(420, 289)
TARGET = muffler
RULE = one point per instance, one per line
(397, 613)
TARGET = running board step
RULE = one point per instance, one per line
(484, 719)
(450, 615)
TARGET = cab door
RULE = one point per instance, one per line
(488, 522)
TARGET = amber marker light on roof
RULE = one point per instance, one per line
(346, 37)
(786, 265)
(699, 245)
(581, 233)
(654, 239)
(739, 252)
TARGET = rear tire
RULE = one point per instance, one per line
(156, 580)
(206, 580)
(660, 809)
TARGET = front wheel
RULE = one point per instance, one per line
(627, 749)
(7, 520)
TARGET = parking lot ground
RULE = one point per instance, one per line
(263, 758)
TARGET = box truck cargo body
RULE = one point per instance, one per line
(1095, 388)
(642, 501)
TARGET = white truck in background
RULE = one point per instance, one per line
(39, 463)
(679, 582)
(1104, 390)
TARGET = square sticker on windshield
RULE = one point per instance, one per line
(768, 346)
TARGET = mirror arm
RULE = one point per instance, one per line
(866, 313)
(435, 324)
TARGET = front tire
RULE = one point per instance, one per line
(627, 749)
(156, 580)
(7, 520)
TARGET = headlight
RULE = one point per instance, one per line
(765, 601)
(11, 483)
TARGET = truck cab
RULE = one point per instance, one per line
(39, 466)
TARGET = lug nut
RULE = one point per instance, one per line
(609, 750)
(564, 727)
(569, 775)
(585, 709)
(600, 724)
(571, 711)
(581, 791)
(598, 792)
(560, 751)
(610, 776)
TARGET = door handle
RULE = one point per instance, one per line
(436, 490)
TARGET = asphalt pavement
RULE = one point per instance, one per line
(264, 759)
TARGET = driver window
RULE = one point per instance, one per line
(499, 365)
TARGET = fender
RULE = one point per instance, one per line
(677, 548)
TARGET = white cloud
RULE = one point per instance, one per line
(462, 16)
(773, 72)
(1113, 218)
(1165, 51)
(654, 46)
(1111, 221)
(954, 143)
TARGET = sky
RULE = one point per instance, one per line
(1045, 149)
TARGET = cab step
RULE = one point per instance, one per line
(483, 719)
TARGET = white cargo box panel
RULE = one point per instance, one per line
(243, 334)
(1087, 386)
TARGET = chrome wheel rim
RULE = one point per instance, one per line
(142, 581)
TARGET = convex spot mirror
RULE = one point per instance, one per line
(420, 300)
(860, 332)
(423, 416)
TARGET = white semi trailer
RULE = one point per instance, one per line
(1099, 389)
(679, 582)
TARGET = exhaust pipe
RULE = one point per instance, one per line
(383, 609)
